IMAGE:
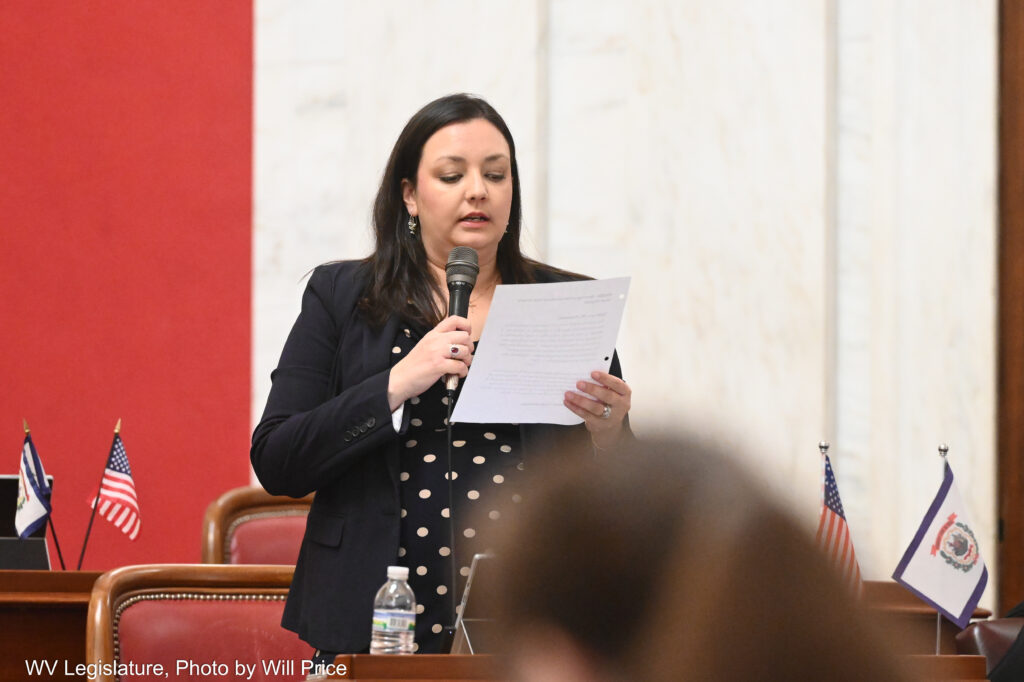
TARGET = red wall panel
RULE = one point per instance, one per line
(125, 276)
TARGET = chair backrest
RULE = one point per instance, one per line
(193, 620)
(1000, 641)
(250, 526)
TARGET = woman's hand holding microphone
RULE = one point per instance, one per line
(445, 349)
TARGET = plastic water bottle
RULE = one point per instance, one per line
(394, 615)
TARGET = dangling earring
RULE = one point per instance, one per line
(412, 226)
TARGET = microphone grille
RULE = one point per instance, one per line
(463, 261)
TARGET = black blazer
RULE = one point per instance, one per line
(327, 428)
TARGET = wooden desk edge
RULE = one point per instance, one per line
(45, 598)
(946, 667)
(432, 667)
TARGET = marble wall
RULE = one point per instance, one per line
(803, 193)
(915, 230)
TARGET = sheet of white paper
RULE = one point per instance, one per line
(540, 339)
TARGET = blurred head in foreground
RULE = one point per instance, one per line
(663, 562)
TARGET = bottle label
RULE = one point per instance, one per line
(386, 620)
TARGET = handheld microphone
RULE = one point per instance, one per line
(460, 272)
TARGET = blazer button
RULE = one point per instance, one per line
(348, 438)
(370, 422)
(362, 428)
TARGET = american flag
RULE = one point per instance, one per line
(117, 500)
(834, 533)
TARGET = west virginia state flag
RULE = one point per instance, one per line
(943, 565)
(33, 492)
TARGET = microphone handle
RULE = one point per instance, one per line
(458, 304)
(458, 298)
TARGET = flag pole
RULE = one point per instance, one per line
(943, 451)
(823, 446)
(49, 517)
(56, 543)
(95, 503)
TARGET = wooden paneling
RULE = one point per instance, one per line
(42, 617)
(1010, 410)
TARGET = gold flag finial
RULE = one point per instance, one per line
(24, 425)
(117, 429)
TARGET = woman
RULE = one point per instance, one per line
(357, 412)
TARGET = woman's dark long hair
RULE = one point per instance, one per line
(399, 279)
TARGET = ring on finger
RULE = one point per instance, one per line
(607, 411)
(454, 351)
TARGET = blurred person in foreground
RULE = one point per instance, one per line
(665, 563)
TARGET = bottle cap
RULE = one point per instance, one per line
(398, 572)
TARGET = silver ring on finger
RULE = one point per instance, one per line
(454, 351)
(607, 411)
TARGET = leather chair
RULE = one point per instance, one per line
(250, 526)
(192, 615)
(1001, 642)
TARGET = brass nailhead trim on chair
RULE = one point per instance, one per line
(180, 596)
(245, 518)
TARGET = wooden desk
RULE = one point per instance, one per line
(418, 668)
(430, 668)
(910, 620)
(42, 616)
(962, 668)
